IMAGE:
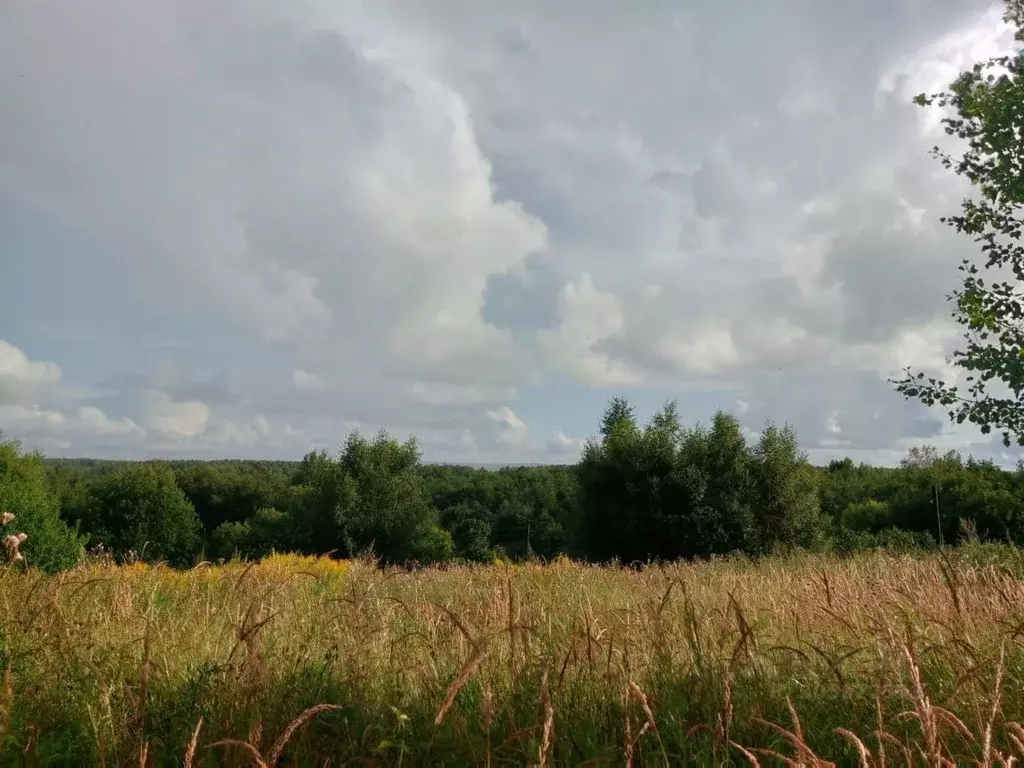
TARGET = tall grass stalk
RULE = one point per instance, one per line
(806, 660)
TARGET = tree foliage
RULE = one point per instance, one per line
(988, 114)
(232, 491)
(785, 492)
(264, 532)
(25, 493)
(654, 491)
(140, 509)
(660, 492)
(372, 498)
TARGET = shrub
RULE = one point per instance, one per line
(866, 515)
(50, 545)
(267, 531)
(139, 508)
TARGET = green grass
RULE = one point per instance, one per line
(509, 665)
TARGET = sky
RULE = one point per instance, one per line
(246, 228)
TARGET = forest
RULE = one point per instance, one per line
(641, 493)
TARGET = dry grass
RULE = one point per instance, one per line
(807, 660)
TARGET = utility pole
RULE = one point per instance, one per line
(938, 514)
(528, 540)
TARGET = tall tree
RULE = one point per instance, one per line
(635, 495)
(619, 411)
(988, 102)
(605, 475)
(729, 468)
(786, 504)
(314, 505)
(372, 498)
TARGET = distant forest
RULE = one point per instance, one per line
(640, 492)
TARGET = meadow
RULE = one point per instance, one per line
(799, 660)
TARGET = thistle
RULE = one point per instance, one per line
(12, 541)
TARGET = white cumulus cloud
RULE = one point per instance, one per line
(419, 215)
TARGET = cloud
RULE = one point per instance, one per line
(304, 381)
(587, 318)
(515, 435)
(440, 393)
(173, 419)
(65, 421)
(563, 445)
(511, 429)
(700, 350)
(420, 216)
(295, 177)
(96, 422)
(22, 417)
(59, 432)
(21, 377)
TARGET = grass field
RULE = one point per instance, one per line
(872, 660)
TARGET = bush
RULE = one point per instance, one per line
(900, 541)
(867, 515)
(139, 508)
(847, 541)
(434, 545)
(267, 531)
(894, 540)
(229, 540)
(51, 545)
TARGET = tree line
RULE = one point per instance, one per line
(640, 492)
